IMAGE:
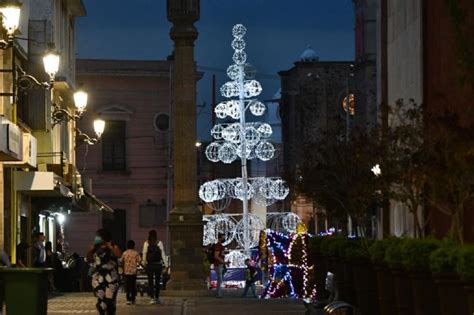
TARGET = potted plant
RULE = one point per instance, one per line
(452, 297)
(363, 276)
(384, 277)
(401, 282)
(416, 260)
(320, 262)
(465, 268)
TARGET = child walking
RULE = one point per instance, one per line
(250, 275)
(131, 259)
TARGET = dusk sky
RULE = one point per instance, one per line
(278, 32)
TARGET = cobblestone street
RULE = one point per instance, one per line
(84, 303)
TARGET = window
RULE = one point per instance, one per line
(161, 122)
(113, 146)
(152, 215)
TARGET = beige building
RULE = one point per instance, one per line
(39, 183)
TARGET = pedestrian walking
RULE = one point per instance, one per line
(39, 251)
(130, 259)
(50, 262)
(104, 256)
(22, 254)
(219, 263)
(250, 277)
(154, 260)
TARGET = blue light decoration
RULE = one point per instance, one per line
(290, 266)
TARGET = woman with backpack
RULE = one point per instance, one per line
(154, 261)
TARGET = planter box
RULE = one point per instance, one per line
(365, 280)
(452, 296)
(403, 292)
(320, 272)
(425, 294)
(349, 284)
(469, 289)
(385, 290)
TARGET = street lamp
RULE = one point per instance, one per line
(99, 127)
(51, 63)
(80, 102)
(10, 11)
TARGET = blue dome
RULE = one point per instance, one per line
(309, 55)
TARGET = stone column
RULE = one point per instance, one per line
(185, 220)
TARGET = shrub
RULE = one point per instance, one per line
(416, 253)
(329, 246)
(465, 263)
(444, 258)
(377, 250)
(393, 253)
(315, 245)
(357, 250)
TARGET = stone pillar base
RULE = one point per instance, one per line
(187, 255)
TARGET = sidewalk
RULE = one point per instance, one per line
(84, 303)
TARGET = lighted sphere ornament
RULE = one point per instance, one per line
(231, 133)
(225, 225)
(279, 189)
(207, 192)
(244, 151)
(216, 132)
(238, 44)
(233, 72)
(249, 71)
(221, 204)
(265, 151)
(209, 232)
(242, 189)
(257, 108)
(265, 130)
(236, 259)
(290, 222)
(227, 153)
(239, 57)
(212, 152)
(252, 88)
(238, 31)
(248, 229)
(220, 110)
(230, 89)
(251, 135)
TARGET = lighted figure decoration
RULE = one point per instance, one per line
(291, 268)
(244, 141)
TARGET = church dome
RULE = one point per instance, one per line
(309, 55)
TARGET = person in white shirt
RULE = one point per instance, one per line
(154, 260)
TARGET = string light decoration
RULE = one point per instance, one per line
(242, 140)
(291, 268)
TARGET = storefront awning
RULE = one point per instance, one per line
(92, 203)
(41, 184)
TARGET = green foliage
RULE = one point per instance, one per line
(465, 263)
(394, 253)
(416, 253)
(357, 250)
(315, 245)
(330, 245)
(444, 259)
(378, 248)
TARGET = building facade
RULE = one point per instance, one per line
(130, 167)
(313, 95)
(40, 183)
(418, 59)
